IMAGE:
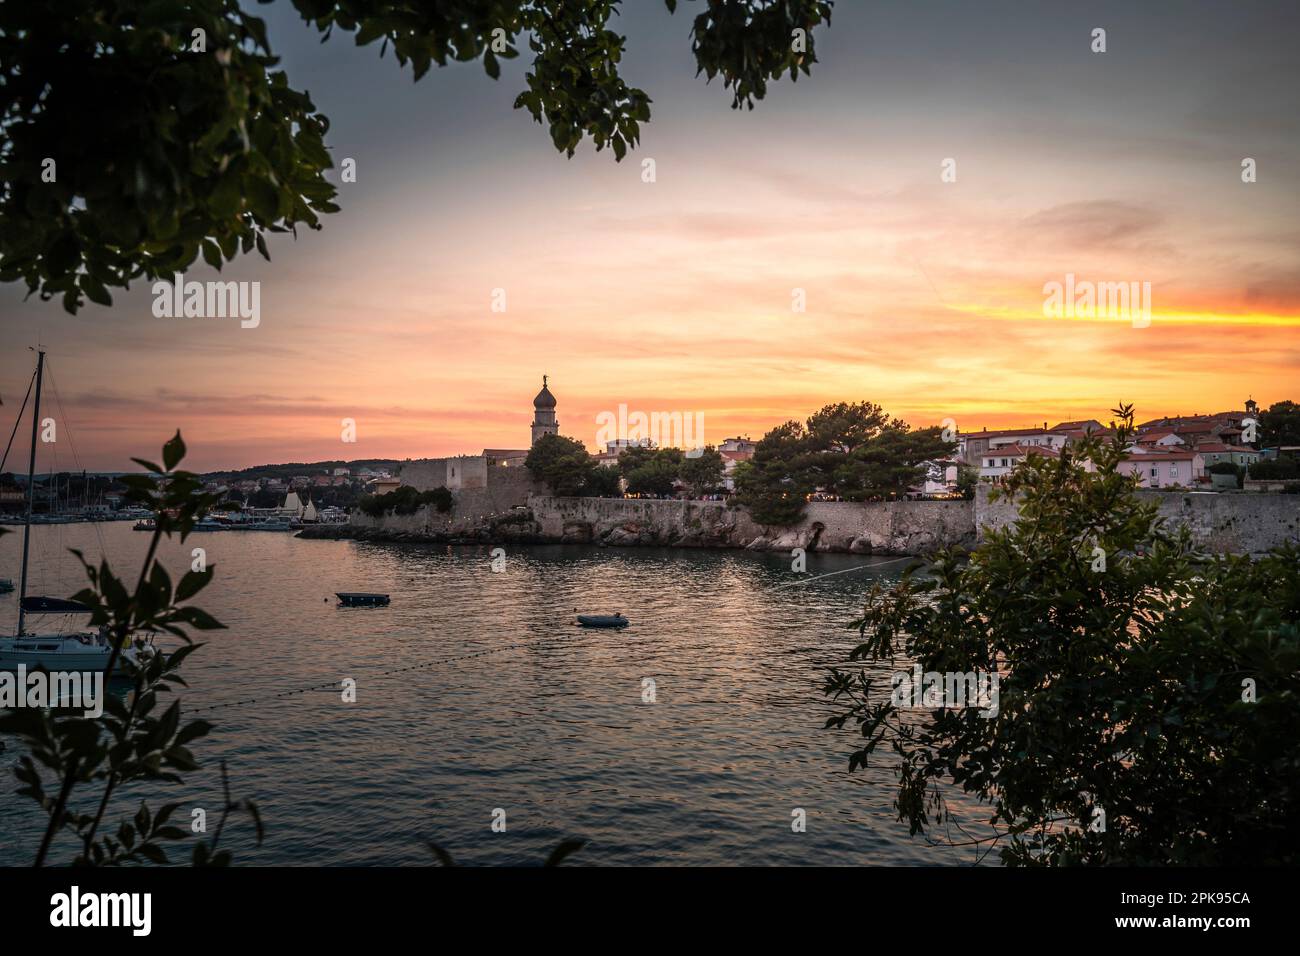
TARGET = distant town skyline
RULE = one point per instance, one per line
(923, 295)
(16, 463)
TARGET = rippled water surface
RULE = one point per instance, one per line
(545, 720)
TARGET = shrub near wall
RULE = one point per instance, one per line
(405, 501)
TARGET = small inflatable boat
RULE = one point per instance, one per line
(602, 620)
(361, 599)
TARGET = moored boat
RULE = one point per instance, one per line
(603, 620)
(361, 599)
(63, 649)
(60, 650)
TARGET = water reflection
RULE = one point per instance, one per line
(476, 691)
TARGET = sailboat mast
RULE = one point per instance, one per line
(31, 488)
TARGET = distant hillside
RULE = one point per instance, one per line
(291, 469)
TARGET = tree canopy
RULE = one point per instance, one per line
(562, 463)
(1279, 425)
(703, 473)
(657, 475)
(138, 135)
(854, 451)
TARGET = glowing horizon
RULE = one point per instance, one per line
(923, 296)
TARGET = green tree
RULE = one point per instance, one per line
(967, 478)
(630, 459)
(603, 482)
(702, 474)
(563, 463)
(1279, 425)
(853, 450)
(406, 500)
(658, 475)
(846, 427)
(885, 464)
(172, 135)
(1137, 678)
(1275, 468)
(775, 482)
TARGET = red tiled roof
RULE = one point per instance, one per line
(1215, 446)
(1005, 433)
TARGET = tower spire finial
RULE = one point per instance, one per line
(543, 381)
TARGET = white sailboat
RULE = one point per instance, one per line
(61, 649)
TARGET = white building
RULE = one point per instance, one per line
(1002, 460)
(738, 444)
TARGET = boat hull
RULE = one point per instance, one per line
(353, 599)
(57, 654)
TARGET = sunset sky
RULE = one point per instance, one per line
(923, 296)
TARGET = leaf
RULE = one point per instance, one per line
(199, 619)
(211, 254)
(565, 849)
(173, 451)
(153, 853)
(193, 582)
(192, 731)
(443, 856)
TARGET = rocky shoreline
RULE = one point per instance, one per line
(349, 532)
(661, 524)
(620, 537)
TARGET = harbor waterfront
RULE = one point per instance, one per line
(475, 692)
(1233, 523)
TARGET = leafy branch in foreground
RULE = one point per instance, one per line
(131, 741)
(1143, 686)
(137, 136)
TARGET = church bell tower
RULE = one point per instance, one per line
(544, 422)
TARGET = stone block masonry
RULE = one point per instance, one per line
(1240, 523)
(896, 527)
(515, 509)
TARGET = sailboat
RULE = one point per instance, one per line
(61, 649)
